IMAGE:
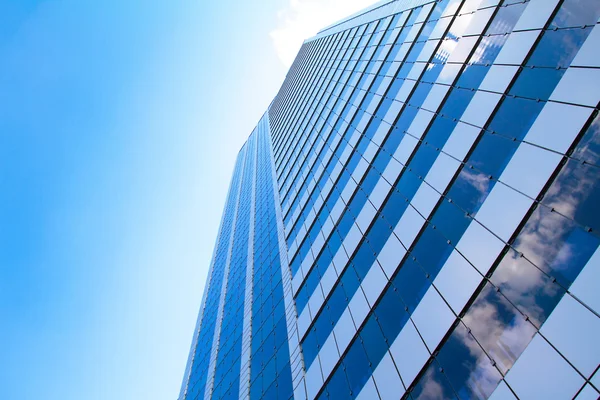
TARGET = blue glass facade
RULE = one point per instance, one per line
(416, 215)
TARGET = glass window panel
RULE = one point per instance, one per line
(536, 83)
(539, 164)
(374, 283)
(574, 331)
(558, 48)
(432, 318)
(466, 366)
(409, 353)
(576, 13)
(411, 283)
(578, 86)
(314, 380)
(517, 47)
(585, 286)
(457, 281)
(488, 49)
(329, 355)
(498, 78)
(338, 387)
(461, 139)
(373, 340)
(463, 49)
(526, 287)
(480, 108)
(388, 381)
(554, 378)
(433, 384)
(588, 55)
(556, 117)
(357, 367)
(536, 14)
(479, 22)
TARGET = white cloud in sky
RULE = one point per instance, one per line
(304, 18)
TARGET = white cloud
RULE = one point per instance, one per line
(304, 18)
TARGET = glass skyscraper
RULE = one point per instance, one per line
(417, 214)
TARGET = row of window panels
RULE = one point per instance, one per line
(422, 15)
(228, 387)
(567, 17)
(265, 320)
(589, 19)
(546, 251)
(202, 376)
(263, 305)
(266, 243)
(307, 82)
(386, 38)
(441, 27)
(321, 68)
(286, 112)
(268, 290)
(570, 14)
(492, 323)
(265, 257)
(468, 176)
(446, 13)
(204, 344)
(303, 121)
(292, 263)
(554, 74)
(264, 368)
(368, 56)
(374, 175)
(298, 64)
(548, 119)
(268, 296)
(264, 351)
(309, 128)
(231, 328)
(388, 33)
(336, 128)
(263, 313)
(265, 273)
(229, 350)
(388, 105)
(279, 389)
(571, 112)
(264, 301)
(556, 50)
(295, 79)
(203, 348)
(517, 86)
(394, 6)
(292, 137)
(295, 171)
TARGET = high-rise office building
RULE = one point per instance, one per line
(417, 214)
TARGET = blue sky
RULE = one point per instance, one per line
(119, 125)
